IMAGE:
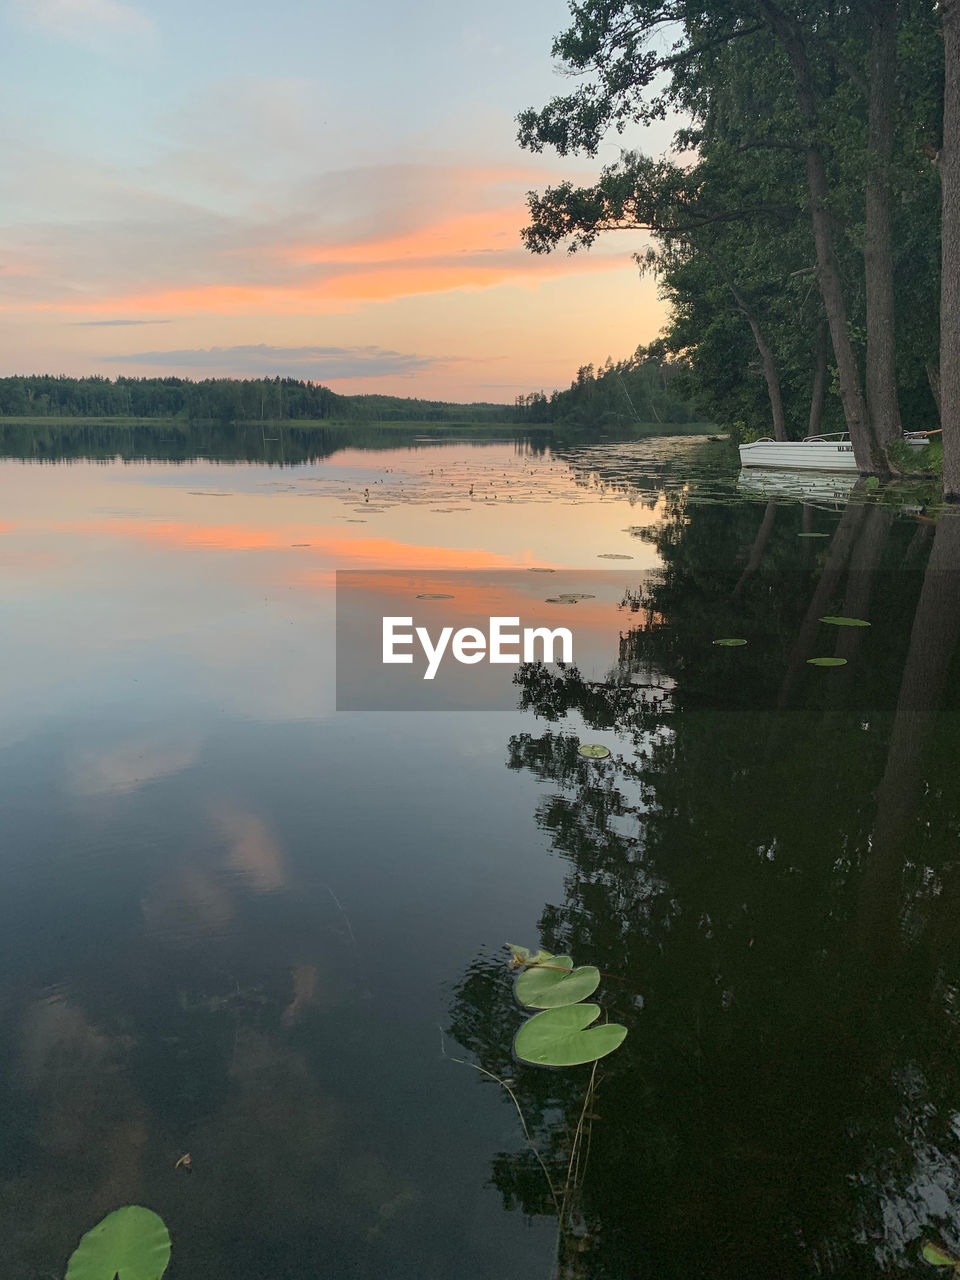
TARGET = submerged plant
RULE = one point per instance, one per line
(559, 1033)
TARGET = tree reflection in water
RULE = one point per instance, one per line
(772, 858)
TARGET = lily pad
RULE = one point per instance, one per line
(543, 987)
(612, 555)
(846, 622)
(536, 570)
(429, 595)
(559, 1038)
(130, 1244)
(594, 751)
(827, 662)
(730, 643)
(813, 535)
(937, 1257)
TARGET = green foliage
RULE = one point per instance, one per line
(549, 986)
(593, 751)
(129, 1244)
(938, 1257)
(730, 643)
(734, 251)
(637, 394)
(225, 400)
(557, 1037)
(845, 622)
(827, 662)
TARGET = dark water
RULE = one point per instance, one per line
(239, 924)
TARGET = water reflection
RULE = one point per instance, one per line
(770, 858)
(228, 915)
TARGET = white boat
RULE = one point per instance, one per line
(816, 453)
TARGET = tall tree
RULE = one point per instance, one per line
(950, 286)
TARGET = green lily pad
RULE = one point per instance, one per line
(813, 535)
(594, 751)
(558, 1037)
(130, 1244)
(428, 595)
(937, 1257)
(846, 622)
(827, 662)
(730, 643)
(613, 555)
(551, 988)
(573, 597)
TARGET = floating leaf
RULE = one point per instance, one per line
(730, 643)
(594, 751)
(827, 662)
(937, 1257)
(572, 597)
(846, 622)
(536, 570)
(813, 535)
(613, 555)
(557, 1037)
(428, 595)
(550, 988)
(129, 1244)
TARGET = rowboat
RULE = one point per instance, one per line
(815, 453)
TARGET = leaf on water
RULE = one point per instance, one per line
(594, 751)
(612, 555)
(846, 622)
(813, 535)
(937, 1257)
(534, 570)
(827, 662)
(429, 595)
(559, 1038)
(543, 988)
(730, 643)
(132, 1243)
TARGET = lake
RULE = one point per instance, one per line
(241, 925)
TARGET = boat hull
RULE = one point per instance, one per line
(804, 455)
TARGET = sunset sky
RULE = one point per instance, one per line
(320, 191)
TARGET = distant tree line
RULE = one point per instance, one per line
(222, 400)
(640, 389)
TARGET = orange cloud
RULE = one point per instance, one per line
(474, 250)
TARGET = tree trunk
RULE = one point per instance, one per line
(950, 242)
(933, 377)
(828, 273)
(881, 372)
(819, 381)
(768, 364)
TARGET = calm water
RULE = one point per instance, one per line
(239, 924)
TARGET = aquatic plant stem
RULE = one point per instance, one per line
(523, 1124)
(573, 1166)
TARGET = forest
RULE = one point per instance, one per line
(644, 388)
(806, 226)
(235, 400)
